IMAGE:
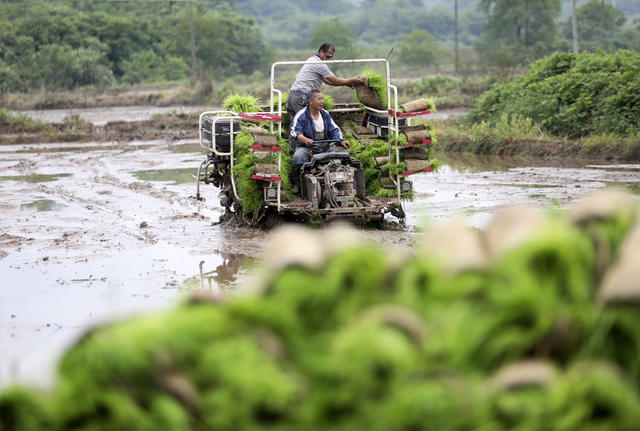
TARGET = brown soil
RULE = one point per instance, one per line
(136, 96)
(163, 126)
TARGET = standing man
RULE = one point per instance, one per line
(310, 78)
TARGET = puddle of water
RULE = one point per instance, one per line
(531, 186)
(187, 148)
(102, 115)
(34, 178)
(177, 176)
(615, 168)
(233, 268)
(474, 163)
(42, 205)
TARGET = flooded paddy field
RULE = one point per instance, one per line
(91, 232)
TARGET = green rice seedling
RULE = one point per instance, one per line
(401, 139)
(412, 285)
(241, 103)
(119, 370)
(247, 388)
(167, 413)
(24, 410)
(431, 103)
(607, 234)
(219, 375)
(295, 299)
(285, 96)
(594, 396)
(366, 339)
(614, 335)
(350, 282)
(285, 168)
(561, 258)
(377, 83)
(522, 409)
(545, 279)
(329, 103)
(461, 327)
(533, 302)
(357, 276)
(440, 403)
(366, 360)
(249, 190)
(367, 152)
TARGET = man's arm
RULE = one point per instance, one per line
(343, 82)
(304, 140)
(297, 130)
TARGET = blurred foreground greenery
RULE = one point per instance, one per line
(530, 324)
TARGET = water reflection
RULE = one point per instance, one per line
(42, 205)
(473, 163)
(225, 275)
(177, 176)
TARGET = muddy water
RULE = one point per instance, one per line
(94, 235)
(101, 116)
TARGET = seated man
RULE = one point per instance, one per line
(313, 123)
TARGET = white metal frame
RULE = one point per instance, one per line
(391, 89)
(230, 115)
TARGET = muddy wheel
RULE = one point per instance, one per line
(225, 198)
(397, 211)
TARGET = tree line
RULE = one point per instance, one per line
(66, 44)
(69, 44)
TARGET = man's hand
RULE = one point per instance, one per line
(345, 144)
(304, 140)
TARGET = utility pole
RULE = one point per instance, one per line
(193, 43)
(575, 29)
(601, 21)
(455, 8)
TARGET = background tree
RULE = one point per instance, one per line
(574, 27)
(335, 32)
(419, 48)
(455, 13)
(589, 16)
(523, 27)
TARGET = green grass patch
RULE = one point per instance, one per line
(34, 178)
(21, 123)
(571, 95)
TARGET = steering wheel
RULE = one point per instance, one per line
(322, 145)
